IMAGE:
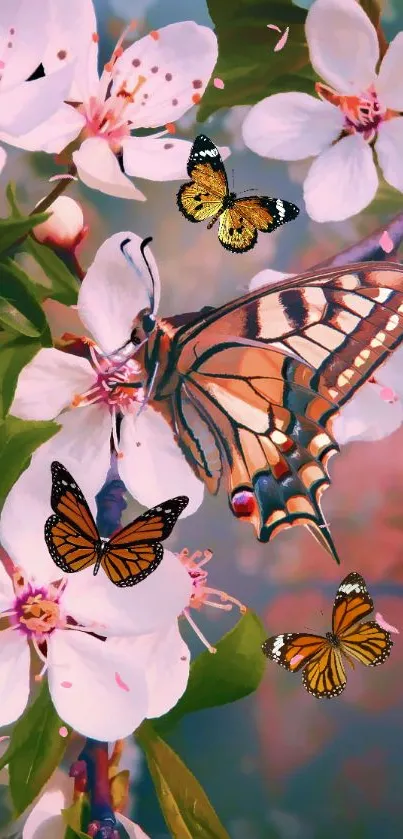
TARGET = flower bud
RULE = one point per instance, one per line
(65, 227)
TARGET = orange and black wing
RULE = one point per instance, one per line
(202, 198)
(135, 552)
(240, 223)
(323, 673)
(368, 643)
(352, 603)
(71, 534)
(267, 373)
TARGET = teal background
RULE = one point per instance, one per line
(278, 764)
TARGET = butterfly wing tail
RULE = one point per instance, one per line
(322, 534)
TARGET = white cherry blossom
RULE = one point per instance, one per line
(359, 109)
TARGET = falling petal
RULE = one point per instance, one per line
(386, 242)
(388, 394)
(218, 83)
(120, 683)
(273, 26)
(379, 619)
(296, 660)
(283, 40)
(63, 731)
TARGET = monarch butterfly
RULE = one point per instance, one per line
(128, 557)
(250, 389)
(321, 658)
(207, 196)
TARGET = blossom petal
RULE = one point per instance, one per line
(3, 159)
(49, 383)
(153, 466)
(24, 107)
(291, 126)
(267, 277)
(343, 45)
(167, 672)
(389, 85)
(115, 290)
(141, 609)
(98, 168)
(133, 830)
(6, 589)
(159, 159)
(72, 34)
(367, 417)
(51, 136)
(95, 689)
(342, 181)
(389, 149)
(45, 820)
(174, 66)
(83, 446)
(30, 21)
(14, 675)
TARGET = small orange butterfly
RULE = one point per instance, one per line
(321, 658)
(128, 557)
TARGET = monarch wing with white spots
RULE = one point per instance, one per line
(135, 552)
(240, 223)
(294, 650)
(352, 603)
(268, 372)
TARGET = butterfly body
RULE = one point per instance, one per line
(207, 196)
(321, 657)
(128, 557)
(251, 388)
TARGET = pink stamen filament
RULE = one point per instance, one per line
(198, 632)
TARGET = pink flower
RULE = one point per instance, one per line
(65, 227)
(151, 83)
(377, 409)
(45, 819)
(25, 33)
(86, 398)
(360, 109)
(102, 686)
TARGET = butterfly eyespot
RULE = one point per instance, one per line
(243, 503)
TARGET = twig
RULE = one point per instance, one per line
(369, 249)
(91, 770)
(57, 190)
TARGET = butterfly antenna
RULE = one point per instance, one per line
(244, 191)
(233, 179)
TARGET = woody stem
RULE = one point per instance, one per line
(57, 190)
(369, 249)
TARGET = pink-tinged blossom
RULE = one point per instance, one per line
(45, 820)
(151, 83)
(357, 110)
(112, 657)
(86, 397)
(376, 410)
(25, 33)
(65, 228)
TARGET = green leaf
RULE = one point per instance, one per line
(18, 441)
(184, 804)
(19, 308)
(14, 229)
(247, 64)
(15, 352)
(74, 817)
(63, 285)
(233, 672)
(35, 750)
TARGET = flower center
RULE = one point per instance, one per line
(35, 611)
(111, 380)
(106, 113)
(362, 114)
(202, 594)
